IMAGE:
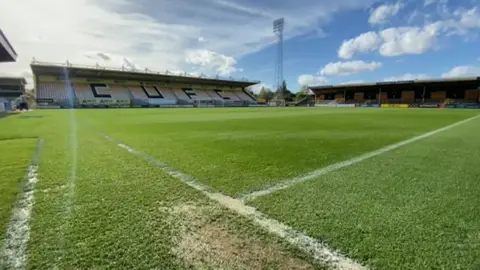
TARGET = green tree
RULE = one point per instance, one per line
(304, 89)
(283, 93)
(265, 94)
(300, 95)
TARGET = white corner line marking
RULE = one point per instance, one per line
(14, 252)
(318, 250)
(330, 168)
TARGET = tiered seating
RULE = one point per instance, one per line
(155, 96)
(202, 95)
(116, 95)
(137, 93)
(167, 93)
(213, 95)
(119, 92)
(332, 102)
(54, 91)
(152, 97)
(83, 92)
(243, 96)
(230, 95)
(181, 95)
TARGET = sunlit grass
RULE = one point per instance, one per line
(97, 206)
(15, 158)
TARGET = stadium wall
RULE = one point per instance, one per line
(336, 105)
(403, 106)
(2, 106)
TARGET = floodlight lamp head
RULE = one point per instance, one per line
(278, 25)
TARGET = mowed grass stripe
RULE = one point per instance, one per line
(415, 207)
(336, 166)
(321, 253)
(15, 159)
(13, 253)
(109, 218)
(126, 214)
(256, 148)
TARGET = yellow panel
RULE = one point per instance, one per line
(47, 78)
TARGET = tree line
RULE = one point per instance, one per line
(282, 93)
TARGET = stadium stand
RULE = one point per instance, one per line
(120, 92)
(431, 93)
(12, 89)
(83, 93)
(214, 95)
(7, 53)
(227, 95)
(180, 94)
(57, 92)
(111, 87)
(167, 93)
(138, 93)
(245, 97)
(202, 95)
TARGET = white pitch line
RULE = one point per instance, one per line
(53, 189)
(315, 174)
(318, 250)
(14, 252)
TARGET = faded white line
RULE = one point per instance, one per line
(318, 250)
(53, 189)
(315, 174)
(14, 252)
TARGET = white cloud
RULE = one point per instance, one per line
(352, 82)
(407, 40)
(462, 71)
(397, 41)
(428, 2)
(393, 41)
(348, 68)
(311, 80)
(201, 39)
(365, 42)
(382, 13)
(208, 61)
(407, 77)
(469, 18)
(258, 87)
(149, 33)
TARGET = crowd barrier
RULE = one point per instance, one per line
(370, 105)
(335, 105)
(425, 106)
(394, 105)
(462, 106)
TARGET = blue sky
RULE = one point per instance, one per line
(442, 52)
(326, 42)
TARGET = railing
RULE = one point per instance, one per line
(138, 71)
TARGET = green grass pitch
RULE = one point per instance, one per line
(96, 206)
